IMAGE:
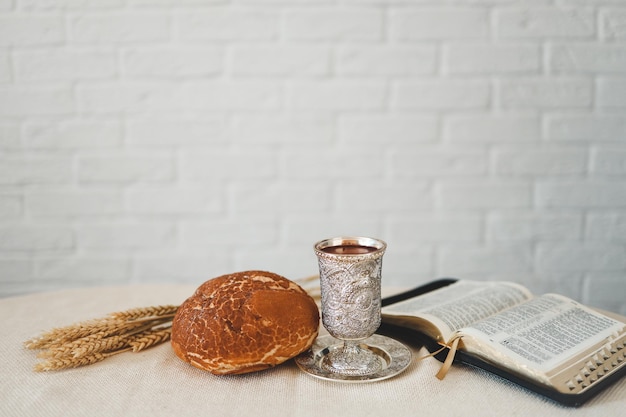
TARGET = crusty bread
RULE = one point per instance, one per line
(244, 322)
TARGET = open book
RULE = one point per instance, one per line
(550, 343)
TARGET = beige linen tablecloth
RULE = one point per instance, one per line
(156, 383)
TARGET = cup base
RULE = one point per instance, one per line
(352, 360)
(393, 357)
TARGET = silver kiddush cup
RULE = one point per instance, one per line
(350, 280)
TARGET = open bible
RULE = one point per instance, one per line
(549, 343)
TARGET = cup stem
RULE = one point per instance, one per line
(351, 348)
(351, 358)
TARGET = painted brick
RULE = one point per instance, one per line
(545, 22)
(438, 23)
(6, 73)
(32, 100)
(10, 206)
(12, 270)
(546, 93)
(123, 168)
(324, 165)
(438, 163)
(606, 227)
(437, 94)
(577, 194)
(534, 227)
(31, 30)
(221, 164)
(486, 128)
(609, 161)
(35, 170)
(282, 197)
(118, 235)
(401, 274)
(386, 60)
(337, 95)
(483, 195)
(438, 228)
(114, 27)
(127, 97)
(333, 24)
(305, 230)
(176, 2)
(221, 23)
(231, 95)
(586, 127)
(153, 131)
(275, 60)
(185, 269)
(174, 200)
(461, 260)
(70, 203)
(613, 23)
(591, 58)
(110, 270)
(488, 59)
(36, 238)
(612, 300)
(611, 92)
(577, 256)
(385, 129)
(70, 4)
(540, 161)
(173, 61)
(9, 135)
(379, 196)
(227, 233)
(567, 283)
(72, 134)
(294, 129)
(63, 64)
(294, 261)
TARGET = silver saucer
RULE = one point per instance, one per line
(393, 355)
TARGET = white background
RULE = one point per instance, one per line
(148, 141)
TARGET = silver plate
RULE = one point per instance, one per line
(394, 356)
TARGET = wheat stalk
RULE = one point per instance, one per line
(59, 335)
(54, 364)
(92, 341)
(145, 340)
(143, 312)
(97, 345)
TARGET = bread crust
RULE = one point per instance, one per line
(244, 322)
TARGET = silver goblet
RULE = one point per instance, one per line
(350, 277)
(350, 280)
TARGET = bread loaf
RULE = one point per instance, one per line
(243, 322)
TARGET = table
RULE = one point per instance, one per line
(155, 382)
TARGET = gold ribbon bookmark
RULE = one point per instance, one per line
(452, 348)
(449, 359)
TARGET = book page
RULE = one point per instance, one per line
(457, 305)
(544, 332)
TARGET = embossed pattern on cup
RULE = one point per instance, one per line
(350, 286)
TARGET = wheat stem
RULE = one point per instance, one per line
(146, 312)
(54, 364)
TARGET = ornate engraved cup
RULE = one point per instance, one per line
(350, 277)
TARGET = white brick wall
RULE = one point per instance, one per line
(173, 141)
